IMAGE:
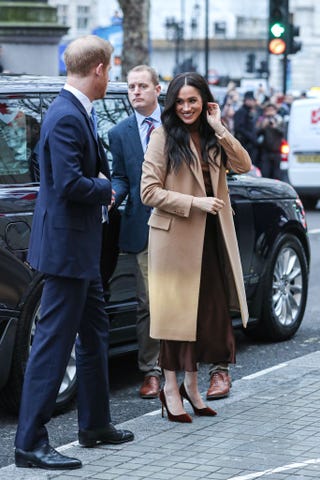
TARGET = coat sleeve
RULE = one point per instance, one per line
(154, 193)
(120, 181)
(238, 159)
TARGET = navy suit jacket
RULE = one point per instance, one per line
(66, 231)
(128, 156)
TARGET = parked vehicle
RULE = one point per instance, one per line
(304, 154)
(269, 219)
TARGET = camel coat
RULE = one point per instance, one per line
(176, 237)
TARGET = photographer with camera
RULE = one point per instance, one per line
(269, 138)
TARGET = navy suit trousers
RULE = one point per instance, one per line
(69, 307)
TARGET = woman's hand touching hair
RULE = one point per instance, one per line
(214, 118)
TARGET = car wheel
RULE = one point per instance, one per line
(285, 289)
(10, 395)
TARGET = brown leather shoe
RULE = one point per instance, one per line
(220, 384)
(150, 387)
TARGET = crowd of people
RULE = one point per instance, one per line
(258, 121)
(170, 164)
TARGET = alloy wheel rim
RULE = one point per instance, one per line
(70, 374)
(287, 287)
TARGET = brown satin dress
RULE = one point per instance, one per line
(215, 341)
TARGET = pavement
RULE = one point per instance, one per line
(268, 428)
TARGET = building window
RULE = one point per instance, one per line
(83, 17)
(220, 29)
(62, 13)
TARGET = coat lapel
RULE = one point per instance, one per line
(78, 104)
(198, 175)
(214, 174)
(134, 137)
(196, 169)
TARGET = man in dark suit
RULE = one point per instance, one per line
(65, 245)
(128, 142)
(245, 125)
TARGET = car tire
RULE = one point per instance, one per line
(284, 288)
(10, 395)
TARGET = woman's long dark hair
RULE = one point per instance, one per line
(177, 145)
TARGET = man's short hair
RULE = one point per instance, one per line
(146, 68)
(270, 105)
(85, 53)
(249, 95)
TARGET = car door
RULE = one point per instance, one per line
(244, 222)
(117, 268)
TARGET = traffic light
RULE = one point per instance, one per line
(293, 45)
(278, 26)
(250, 63)
(263, 69)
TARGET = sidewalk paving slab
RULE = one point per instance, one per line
(269, 429)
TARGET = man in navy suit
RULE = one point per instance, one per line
(128, 142)
(65, 245)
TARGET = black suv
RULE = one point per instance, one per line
(269, 219)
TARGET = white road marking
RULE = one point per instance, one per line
(67, 445)
(264, 372)
(314, 231)
(270, 471)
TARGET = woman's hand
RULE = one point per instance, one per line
(214, 117)
(208, 204)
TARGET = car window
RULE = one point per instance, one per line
(20, 120)
(19, 132)
(110, 111)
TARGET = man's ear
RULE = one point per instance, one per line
(99, 69)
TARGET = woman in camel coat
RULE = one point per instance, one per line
(195, 274)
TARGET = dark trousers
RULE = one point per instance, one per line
(68, 307)
(148, 352)
(270, 165)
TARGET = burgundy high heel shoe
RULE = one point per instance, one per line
(201, 412)
(183, 418)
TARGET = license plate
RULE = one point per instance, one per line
(308, 158)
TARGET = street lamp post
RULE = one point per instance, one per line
(206, 42)
(194, 25)
(175, 32)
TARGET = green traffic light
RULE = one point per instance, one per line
(277, 29)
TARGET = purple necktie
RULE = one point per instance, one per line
(149, 122)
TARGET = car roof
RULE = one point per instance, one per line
(10, 84)
(315, 101)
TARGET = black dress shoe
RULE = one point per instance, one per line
(109, 434)
(45, 457)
